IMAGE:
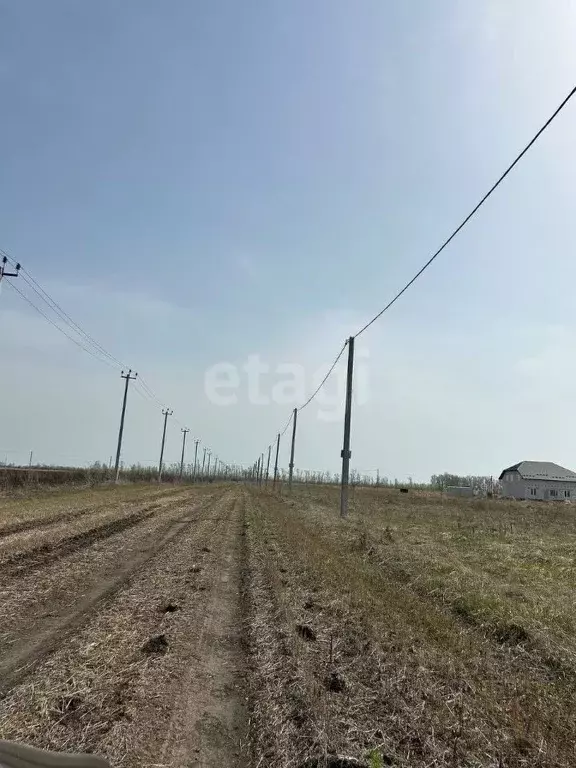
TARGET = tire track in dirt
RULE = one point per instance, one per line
(13, 669)
(100, 692)
(40, 522)
(36, 524)
(51, 630)
(21, 534)
(40, 556)
(207, 724)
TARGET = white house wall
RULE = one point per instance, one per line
(520, 489)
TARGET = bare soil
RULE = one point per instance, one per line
(120, 628)
(227, 625)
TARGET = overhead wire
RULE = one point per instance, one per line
(443, 246)
(85, 341)
(105, 356)
(59, 328)
(287, 424)
(472, 212)
(151, 392)
(61, 313)
(325, 379)
(313, 395)
(142, 392)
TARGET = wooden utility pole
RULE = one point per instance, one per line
(276, 461)
(165, 413)
(128, 378)
(291, 465)
(346, 453)
(184, 433)
(268, 465)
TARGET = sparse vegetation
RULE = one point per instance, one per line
(421, 631)
(450, 621)
(30, 478)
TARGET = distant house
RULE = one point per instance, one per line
(538, 480)
(459, 490)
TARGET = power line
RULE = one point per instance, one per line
(472, 213)
(49, 319)
(324, 380)
(318, 388)
(95, 349)
(150, 392)
(63, 315)
(86, 342)
(287, 424)
(143, 394)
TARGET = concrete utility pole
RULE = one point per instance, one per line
(258, 471)
(184, 433)
(276, 461)
(30, 462)
(268, 465)
(291, 465)
(128, 378)
(261, 469)
(208, 467)
(346, 453)
(203, 463)
(165, 413)
(196, 457)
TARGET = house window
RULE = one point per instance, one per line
(553, 492)
(533, 491)
(566, 494)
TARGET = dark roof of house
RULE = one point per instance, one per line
(541, 470)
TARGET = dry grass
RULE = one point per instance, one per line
(438, 638)
(91, 693)
(15, 478)
(41, 507)
(503, 566)
(18, 480)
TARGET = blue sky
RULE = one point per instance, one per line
(196, 182)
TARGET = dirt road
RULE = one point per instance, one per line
(121, 625)
(230, 625)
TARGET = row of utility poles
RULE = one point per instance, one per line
(258, 468)
(257, 471)
(217, 465)
(345, 454)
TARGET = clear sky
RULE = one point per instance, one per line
(197, 181)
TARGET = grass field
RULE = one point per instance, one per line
(436, 632)
(14, 479)
(225, 624)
